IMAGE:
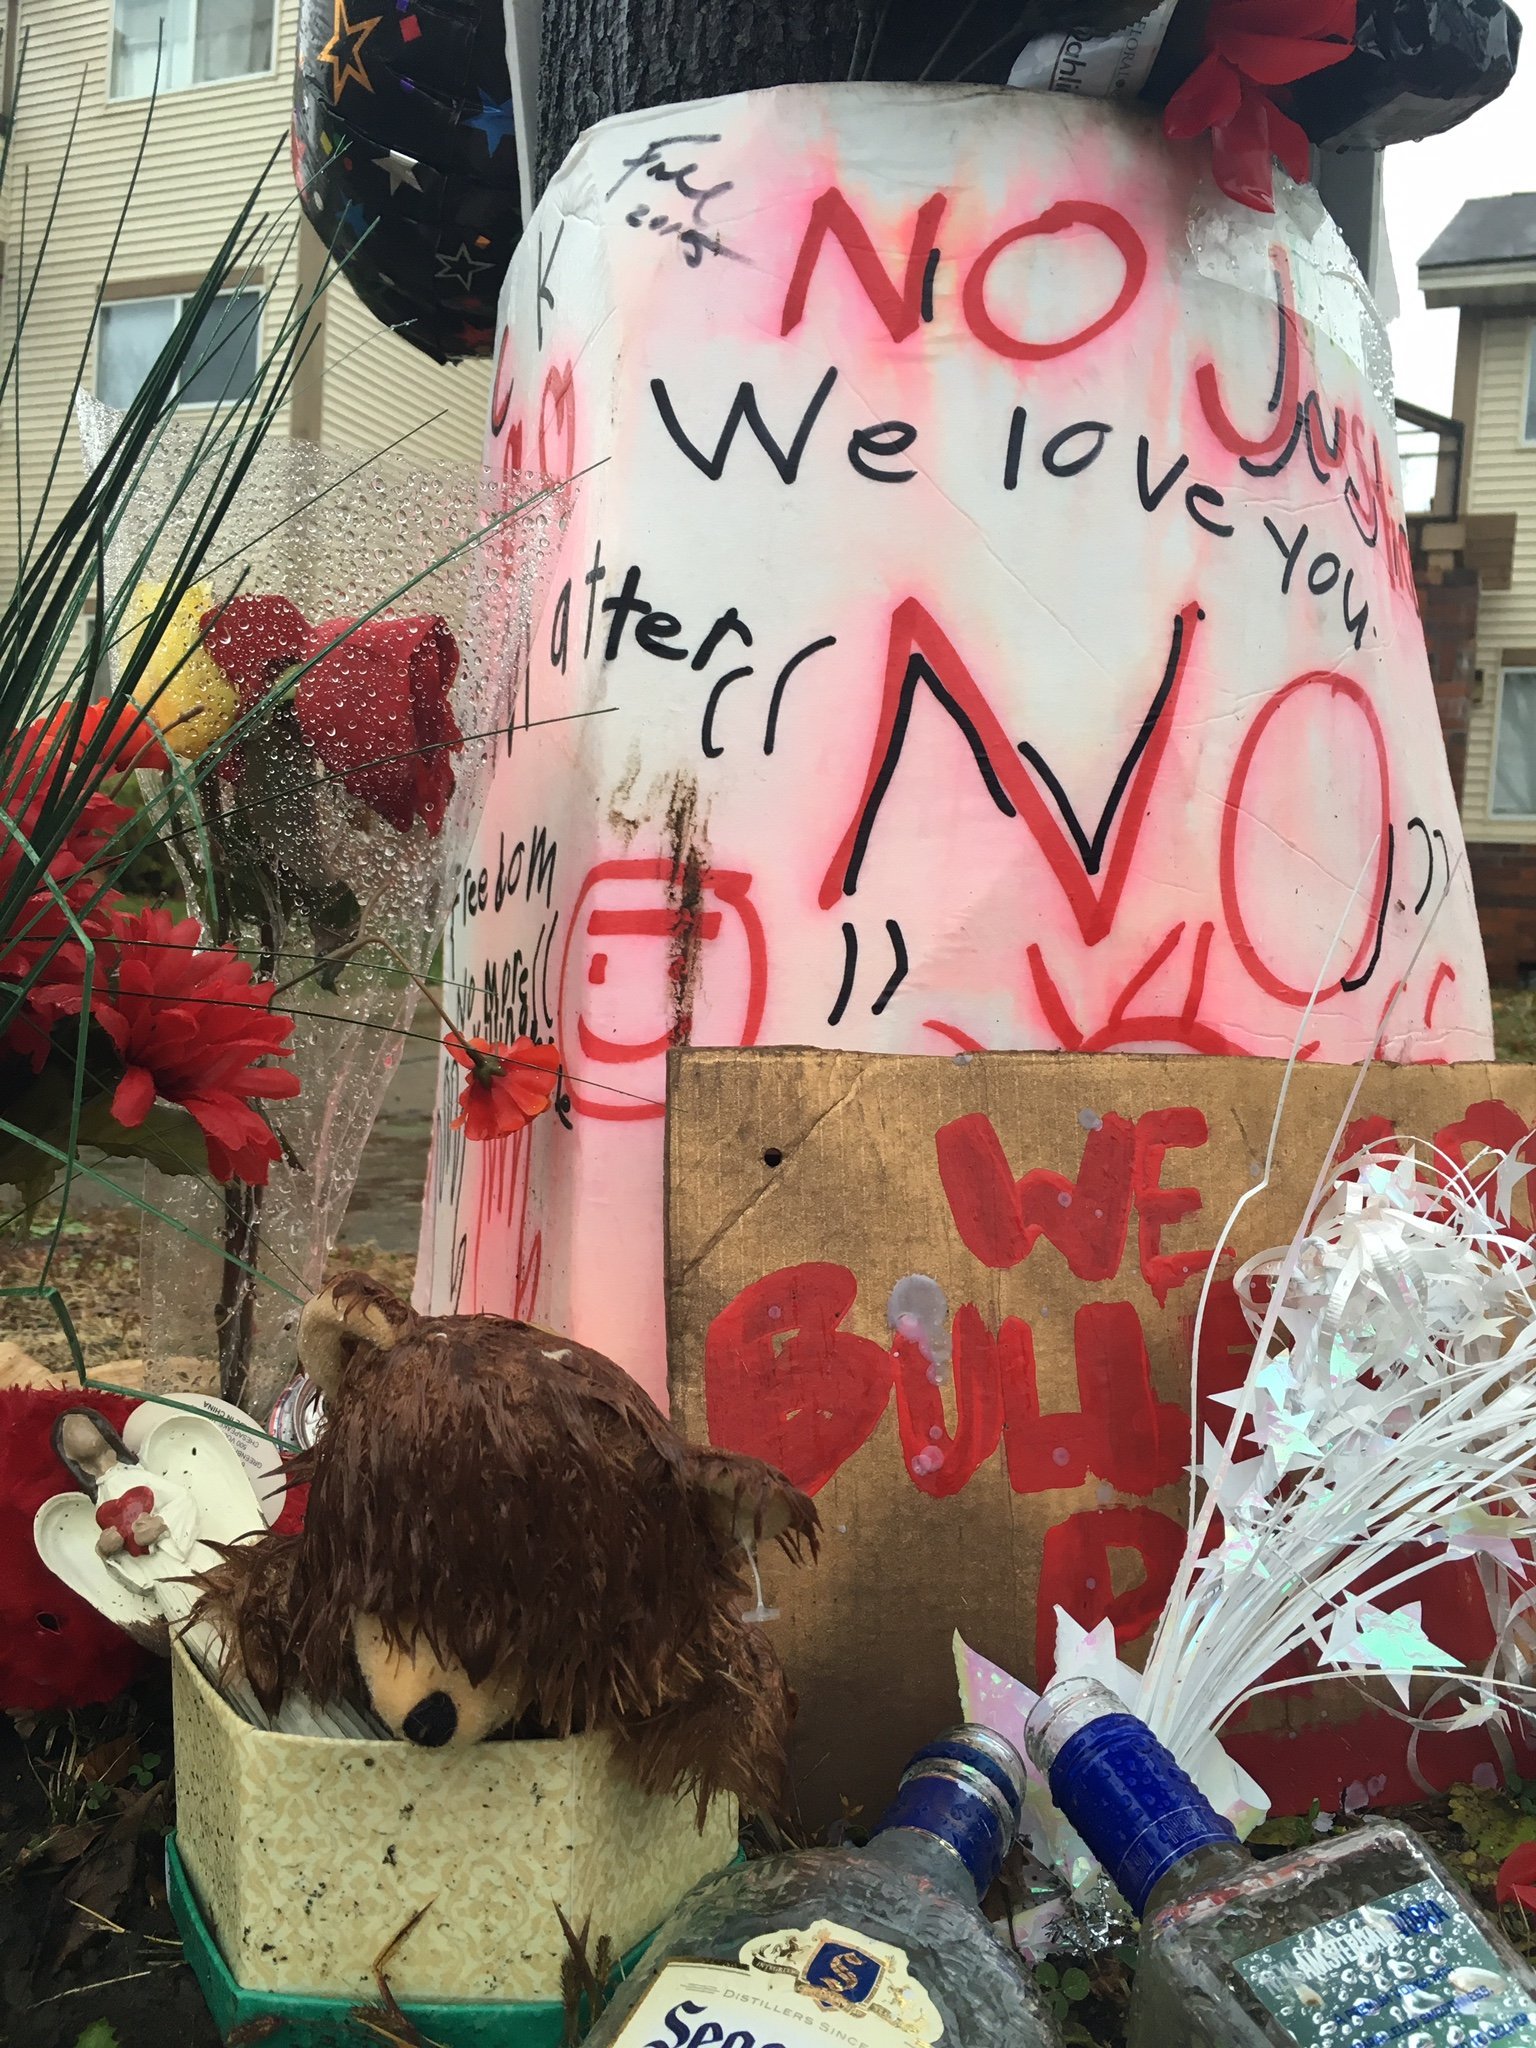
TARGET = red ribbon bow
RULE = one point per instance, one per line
(1252, 45)
(122, 1513)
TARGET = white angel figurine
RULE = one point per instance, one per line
(148, 1523)
(133, 1530)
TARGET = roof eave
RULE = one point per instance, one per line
(1505, 283)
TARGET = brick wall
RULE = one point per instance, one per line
(1504, 883)
(1448, 605)
(1503, 873)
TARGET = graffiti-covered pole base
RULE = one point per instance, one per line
(985, 619)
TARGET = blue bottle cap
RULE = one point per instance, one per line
(965, 1789)
(1135, 1808)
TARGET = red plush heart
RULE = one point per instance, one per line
(122, 1513)
(786, 1383)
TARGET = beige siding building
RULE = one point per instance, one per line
(1481, 540)
(222, 110)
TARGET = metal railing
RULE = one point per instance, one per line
(1431, 450)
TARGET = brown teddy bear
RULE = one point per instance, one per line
(502, 1531)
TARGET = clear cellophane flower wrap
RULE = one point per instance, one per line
(355, 647)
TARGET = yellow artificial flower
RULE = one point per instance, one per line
(182, 688)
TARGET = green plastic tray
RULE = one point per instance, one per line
(327, 2022)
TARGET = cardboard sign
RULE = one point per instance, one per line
(954, 1300)
(984, 619)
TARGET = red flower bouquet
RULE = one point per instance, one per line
(190, 1029)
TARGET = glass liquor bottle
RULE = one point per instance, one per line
(1354, 1942)
(880, 1947)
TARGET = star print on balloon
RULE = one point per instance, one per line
(495, 121)
(460, 266)
(400, 170)
(402, 121)
(344, 51)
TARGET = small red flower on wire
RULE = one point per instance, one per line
(1251, 47)
(508, 1085)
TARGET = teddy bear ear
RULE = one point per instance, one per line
(749, 1502)
(354, 1311)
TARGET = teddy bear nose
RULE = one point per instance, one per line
(432, 1721)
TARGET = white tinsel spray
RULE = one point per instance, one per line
(1387, 1424)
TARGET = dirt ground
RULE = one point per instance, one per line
(89, 1954)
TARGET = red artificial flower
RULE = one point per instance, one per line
(253, 640)
(189, 1027)
(375, 707)
(376, 710)
(132, 742)
(1252, 45)
(44, 936)
(1517, 1877)
(508, 1085)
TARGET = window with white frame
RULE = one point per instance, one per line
(221, 366)
(1514, 747)
(195, 42)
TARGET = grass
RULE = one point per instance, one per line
(1514, 1025)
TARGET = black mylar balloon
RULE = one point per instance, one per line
(406, 160)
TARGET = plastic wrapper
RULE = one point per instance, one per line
(1100, 66)
(1419, 67)
(324, 851)
(406, 160)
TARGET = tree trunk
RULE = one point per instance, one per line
(602, 57)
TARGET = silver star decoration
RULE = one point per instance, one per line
(461, 266)
(401, 169)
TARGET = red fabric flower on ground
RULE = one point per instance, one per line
(1251, 46)
(1517, 1877)
(375, 707)
(508, 1085)
(55, 1651)
(188, 1027)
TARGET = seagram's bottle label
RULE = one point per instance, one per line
(822, 1986)
(1411, 1967)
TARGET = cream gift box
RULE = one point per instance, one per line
(309, 1855)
